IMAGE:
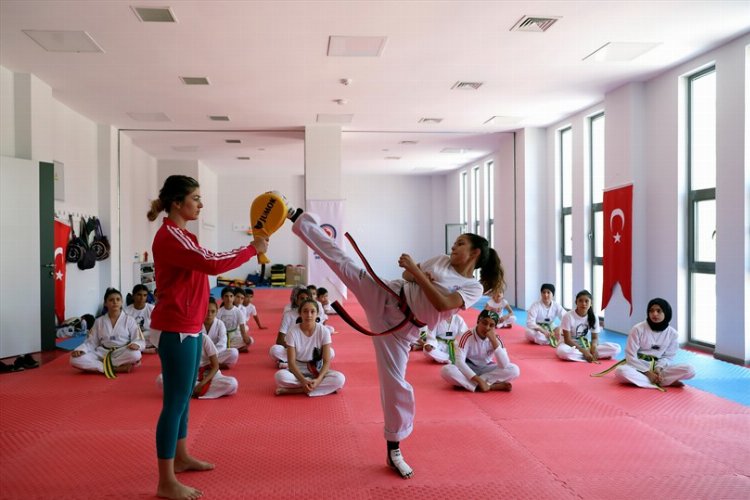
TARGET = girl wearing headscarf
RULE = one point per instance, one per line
(650, 351)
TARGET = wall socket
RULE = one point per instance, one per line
(240, 228)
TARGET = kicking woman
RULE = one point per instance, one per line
(433, 290)
(182, 269)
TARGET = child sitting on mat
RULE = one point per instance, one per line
(650, 351)
(251, 310)
(113, 344)
(481, 362)
(216, 331)
(323, 300)
(541, 316)
(576, 326)
(309, 353)
(234, 319)
(140, 310)
(436, 344)
(498, 304)
(211, 383)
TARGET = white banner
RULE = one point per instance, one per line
(331, 213)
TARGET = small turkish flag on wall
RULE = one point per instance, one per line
(62, 235)
(618, 243)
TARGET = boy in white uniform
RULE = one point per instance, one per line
(498, 304)
(251, 310)
(113, 344)
(140, 310)
(436, 344)
(576, 326)
(211, 384)
(217, 332)
(541, 316)
(481, 361)
(234, 320)
(650, 351)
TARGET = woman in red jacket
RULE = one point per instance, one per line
(182, 268)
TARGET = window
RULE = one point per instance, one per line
(462, 198)
(596, 165)
(489, 189)
(701, 243)
(475, 200)
(565, 153)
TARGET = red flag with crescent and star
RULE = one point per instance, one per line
(62, 235)
(618, 243)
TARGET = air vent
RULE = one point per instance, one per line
(243, 157)
(535, 24)
(218, 118)
(149, 117)
(194, 80)
(466, 85)
(154, 14)
(408, 143)
(233, 141)
(392, 157)
(430, 120)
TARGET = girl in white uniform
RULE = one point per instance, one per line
(211, 383)
(481, 361)
(217, 332)
(650, 351)
(541, 316)
(436, 344)
(499, 305)
(576, 326)
(234, 320)
(140, 310)
(308, 345)
(278, 351)
(433, 290)
(115, 337)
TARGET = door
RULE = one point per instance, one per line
(47, 255)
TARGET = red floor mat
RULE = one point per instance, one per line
(559, 434)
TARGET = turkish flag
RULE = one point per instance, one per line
(62, 235)
(618, 243)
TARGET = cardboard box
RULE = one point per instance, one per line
(296, 275)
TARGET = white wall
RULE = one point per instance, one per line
(7, 114)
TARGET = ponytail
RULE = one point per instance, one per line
(590, 313)
(174, 190)
(491, 274)
(156, 208)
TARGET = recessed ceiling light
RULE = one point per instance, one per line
(243, 157)
(332, 118)
(154, 14)
(430, 120)
(408, 142)
(466, 85)
(185, 149)
(64, 41)
(392, 157)
(356, 46)
(194, 80)
(149, 117)
(620, 51)
(218, 118)
(503, 120)
(455, 151)
(233, 141)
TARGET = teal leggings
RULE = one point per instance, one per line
(179, 367)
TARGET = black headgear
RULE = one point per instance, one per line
(666, 308)
(548, 286)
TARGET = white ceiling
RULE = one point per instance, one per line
(270, 73)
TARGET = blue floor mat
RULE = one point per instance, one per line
(720, 378)
(71, 343)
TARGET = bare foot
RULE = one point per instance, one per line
(677, 383)
(126, 368)
(396, 462)
(280, 391)
(190, 463)
(501, 386)
(178, 491)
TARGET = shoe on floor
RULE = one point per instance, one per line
(29, 361)
(18, 364)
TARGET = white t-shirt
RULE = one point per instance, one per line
(232, 318)
(250, 311)
(497, 306)
(290, 318)
(578, 326)
(141, 316)
(538, 313)
(447, 280)
(303, 344)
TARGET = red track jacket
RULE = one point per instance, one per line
(182, 268)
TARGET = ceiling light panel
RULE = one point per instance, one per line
(64, 41)
(154, 14)
(233, 141)
(194, 80)
(620, 51)
(430, 120)
(218, 118)
(356, 46)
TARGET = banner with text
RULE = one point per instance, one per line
(331, 213)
